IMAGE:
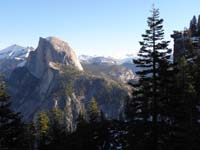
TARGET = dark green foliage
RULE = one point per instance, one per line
(42, 130)
(12, 130)
(100, 134)
(93, 112)
(198, 25)
(56, 125)
(31, 136)
(170, 92)
(88, 135)
(193, 26)
(187, 114)
(146, 108)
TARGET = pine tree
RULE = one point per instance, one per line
(193, 26)
(196, 103)
(103, 130)
(56, 125)
(11, 128)
(83, 132)
(187, 116)
(94, 112)
(31, 135)
(81, 121)
(42, 129)
(198, 26)
(145, 109)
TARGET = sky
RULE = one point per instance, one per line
(91, 27)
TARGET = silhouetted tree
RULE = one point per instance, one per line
(186, 116)
(12, 130)
(145, 109)
(198, 25)
(193, 26)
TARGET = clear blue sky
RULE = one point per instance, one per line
(101, 27)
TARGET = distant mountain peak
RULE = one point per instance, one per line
(15, 52)
(128, 58)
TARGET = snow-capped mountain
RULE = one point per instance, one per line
(121, 69)
(15, 52)
(128, 58)
(97, 59)
(12, 57)
(85, 58)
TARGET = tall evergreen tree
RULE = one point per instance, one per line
(56, 125)
(31, 135)
(196, 102)
(198, 25)
(94, 112)
(193, 26)
(83, 133)
(145, 109)
(187, 116)
(11, 127)
(42, 130)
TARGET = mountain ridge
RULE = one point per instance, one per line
(51, 75)
(103, 63)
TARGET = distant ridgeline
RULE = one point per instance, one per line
(187, 42)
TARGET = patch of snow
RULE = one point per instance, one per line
(18, 58)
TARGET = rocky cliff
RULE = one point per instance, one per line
(54, 76)
(41, 63)
(51, 50)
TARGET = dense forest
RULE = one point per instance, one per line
(161, 113)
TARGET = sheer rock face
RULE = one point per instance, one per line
(50, 50)
(41, 62)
